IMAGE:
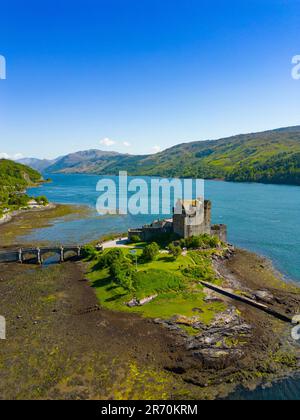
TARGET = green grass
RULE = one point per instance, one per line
(189, 330)
(177, 294)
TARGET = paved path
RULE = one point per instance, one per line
(116, 243)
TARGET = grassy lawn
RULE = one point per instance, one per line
(178, 294)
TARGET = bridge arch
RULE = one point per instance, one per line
(48, 253)
(71, 253)
(38, 255)
(30, 256)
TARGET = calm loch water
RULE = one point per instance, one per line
(261, 218)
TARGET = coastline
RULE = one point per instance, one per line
(177, 364)
(11, 215)
(134, 174)
(60, 298)
(22, 222)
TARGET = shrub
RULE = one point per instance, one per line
(113, 255)
(150, 252)
(201, 272)
(120, 268)
(175, 250)
(204, 241)
(89, 252)
(19, 200)
(135, 239)
(123, 274)
(42, 200)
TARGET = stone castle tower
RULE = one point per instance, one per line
(192, 217)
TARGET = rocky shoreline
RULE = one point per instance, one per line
(11, 215)
(242, 346)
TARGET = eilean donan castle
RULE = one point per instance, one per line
(190, 218)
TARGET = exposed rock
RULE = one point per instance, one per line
(211, 299)
(264, 296)
(184, 320)
(217, 359)
(147, 300)
(134, 302)
(211, 296)
(229, 317)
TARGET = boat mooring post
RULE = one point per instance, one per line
(62, 254)
(20, 256)
(39, 259)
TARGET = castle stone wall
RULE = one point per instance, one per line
(220, 231)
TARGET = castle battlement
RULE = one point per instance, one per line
(190, 218)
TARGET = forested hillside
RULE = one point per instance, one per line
(270, 157)
(15, 178)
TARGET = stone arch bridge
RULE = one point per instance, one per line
(37, 255)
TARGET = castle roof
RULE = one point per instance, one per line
(188, 205)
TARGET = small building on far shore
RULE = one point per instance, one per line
(190, 218)
(33, 204)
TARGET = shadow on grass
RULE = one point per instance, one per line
(168, 258)
(97, 267)
(116, 297)
(103, 282)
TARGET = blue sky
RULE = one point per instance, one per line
(139, 75)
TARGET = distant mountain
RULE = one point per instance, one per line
(82, 161)
(37, 164)
(269, 157)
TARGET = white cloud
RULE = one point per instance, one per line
(16, 156)
(156, 149)
(107, 142)
(126, 144)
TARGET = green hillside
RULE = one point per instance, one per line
(269, 157)
(15, 178)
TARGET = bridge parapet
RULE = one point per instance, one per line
(38, 253)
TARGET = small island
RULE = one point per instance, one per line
(170, 310)
(227, 309)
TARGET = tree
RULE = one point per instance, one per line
(123, 274)
(19, 200)
(89, 252)
(42, 200)
(135, 239)
(150, 252)
(175, 250)
(120, 267)
(113, 255)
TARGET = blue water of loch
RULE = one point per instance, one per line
(261, 218)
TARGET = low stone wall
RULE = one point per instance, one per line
(220, 231)
(248, 301)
